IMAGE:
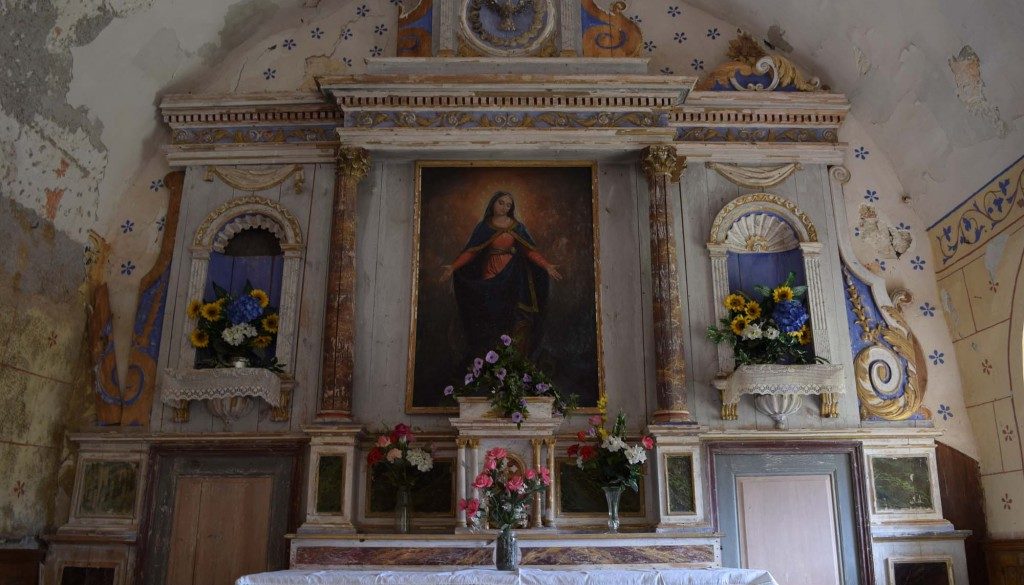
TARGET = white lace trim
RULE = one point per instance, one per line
(783, 379)
(219, 383)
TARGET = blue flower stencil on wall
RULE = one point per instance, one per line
(937, 357)
(679, 37)
(674, 11)
(128, 226)
(649, 46)
(376, 51)
(269, 74)
(380, 29)
(362, 10)
(667, 71)
(928, 309)
(127, 267)
(861, 153)
(156, 184)
(160, 223)
(871, 195)
(346, 34)
(316, 33)
(289, 44)
(713, 33)
(697, 64)
(945, 412)
(918, 263)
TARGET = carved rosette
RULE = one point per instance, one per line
(339, 318)
(663, 166)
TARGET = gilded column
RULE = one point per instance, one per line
(339, 318)
(549, 510)
(663, 167)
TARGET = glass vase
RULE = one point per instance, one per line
(402, 507)
(611, 496)
(506, 550)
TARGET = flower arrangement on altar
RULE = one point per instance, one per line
(504, 375)
(402, 464)
(611, 461)
(505, 491)
(773, 330)
(234, 328)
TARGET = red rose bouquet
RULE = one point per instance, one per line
(403, 464)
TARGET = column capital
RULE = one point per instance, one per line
(661, 160)
(353, 163)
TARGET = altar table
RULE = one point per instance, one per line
(521, 577)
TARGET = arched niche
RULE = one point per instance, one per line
(221, 253)
(758, 239)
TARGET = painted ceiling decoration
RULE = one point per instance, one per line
(752, 68)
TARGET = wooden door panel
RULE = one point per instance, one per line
(220, 529)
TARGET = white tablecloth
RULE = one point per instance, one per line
(522, 577)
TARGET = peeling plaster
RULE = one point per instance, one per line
(884, 240)
(776, 39)
(970, 88)
(994, 254)
(240, 22)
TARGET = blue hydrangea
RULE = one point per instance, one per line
(244, 309)
(790, 316)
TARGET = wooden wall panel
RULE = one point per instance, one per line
(963, 505)
(20, 566)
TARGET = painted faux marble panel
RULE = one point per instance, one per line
(432, 495)
(580, 495)
(108, 488)
(922, 572)
(330, 483)
(902, 483)
(679, 471)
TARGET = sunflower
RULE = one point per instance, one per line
(193, 309)
(753, 310)
(738, 324)
(271, 322)
(260, 296)
(735, 302)
(803, 335)
(199, 338)
(261, 341)
(782, 293)
(211, 311)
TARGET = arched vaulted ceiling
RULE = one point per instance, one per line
(938, 84)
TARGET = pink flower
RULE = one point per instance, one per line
(497, 453)
(483, 481)
(595, 420)
(402, 430)
(647, 442)
(383, 441)
(393, 455)
(516, 484)
(545, 475)
(531, 474)
(471, 506)
(490, 464)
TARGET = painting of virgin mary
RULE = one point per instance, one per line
(504, 250)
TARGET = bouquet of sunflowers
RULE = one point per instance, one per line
(232, 327)
(773, 330)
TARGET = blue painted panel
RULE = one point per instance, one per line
(768, 269)
(729, 467)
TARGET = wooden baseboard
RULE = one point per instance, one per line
(1005, 559)
(20, 566)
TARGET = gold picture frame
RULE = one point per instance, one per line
(411, 406)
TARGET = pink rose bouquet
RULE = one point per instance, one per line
(505, 490)
(404, 464)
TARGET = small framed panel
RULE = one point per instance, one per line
(330, 485)
(902, 483)
(433, 495)
(920, 571)
(578, 497)
(680, 487)
(108, 489)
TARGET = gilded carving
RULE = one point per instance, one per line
(749, 59)
(662, 161)
(223, 214)
(353, 163)
(760, 202)
(879, 368)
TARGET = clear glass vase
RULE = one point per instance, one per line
(611, 496)
(402, 508)
(506, 550)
